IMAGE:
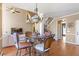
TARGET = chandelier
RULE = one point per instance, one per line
(35, 18)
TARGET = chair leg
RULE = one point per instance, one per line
(17, 52)
(26, 51)
(29, 51)
(46, 53)
(20, 52)
(37, 53)
(43, 54)
(33, 51)
(1, 52)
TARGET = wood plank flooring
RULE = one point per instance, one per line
(58, 48)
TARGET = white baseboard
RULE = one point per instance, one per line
(72, 43)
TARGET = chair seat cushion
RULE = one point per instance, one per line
(40, 47)
(23, 45)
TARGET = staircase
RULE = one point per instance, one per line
(48, 21)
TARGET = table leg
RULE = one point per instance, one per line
(29, 51)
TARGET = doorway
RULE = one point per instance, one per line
(64, 31)
(61, 30)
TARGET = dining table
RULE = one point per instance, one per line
(34, 37)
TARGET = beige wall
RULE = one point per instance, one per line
(70, 36)
(17, 20)
(0, 24)
(13, 20)
(0, 20)
(71, 30)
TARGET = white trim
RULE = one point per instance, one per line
(72, 43)
(70, 15)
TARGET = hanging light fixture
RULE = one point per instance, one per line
(36, 17)
(33, 17)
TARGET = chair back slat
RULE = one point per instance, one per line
(16, 39)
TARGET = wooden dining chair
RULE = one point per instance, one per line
(43, 47)
(20, 45)
(1, 52)
(32, 36)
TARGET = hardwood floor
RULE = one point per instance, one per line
(58, 48)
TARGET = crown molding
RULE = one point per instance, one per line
(70, 15)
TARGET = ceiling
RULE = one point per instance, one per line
(49, 9)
